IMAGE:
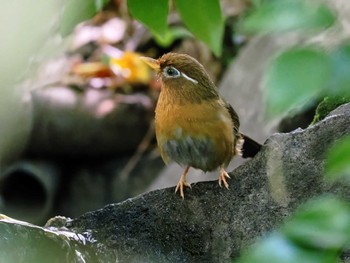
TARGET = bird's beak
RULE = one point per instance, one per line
(153, 63)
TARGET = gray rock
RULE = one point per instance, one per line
(210, 225)
(214, 224)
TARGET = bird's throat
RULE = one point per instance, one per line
(185, 95)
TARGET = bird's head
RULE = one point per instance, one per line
(183, 74)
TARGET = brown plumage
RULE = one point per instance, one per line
(195, 127)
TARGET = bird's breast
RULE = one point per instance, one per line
(199, 135)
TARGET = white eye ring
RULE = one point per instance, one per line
(171, 72)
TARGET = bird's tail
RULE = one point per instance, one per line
(250, 147)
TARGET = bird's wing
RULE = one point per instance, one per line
(250, 147)
(234, 118)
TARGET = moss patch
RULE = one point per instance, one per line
(327, 105)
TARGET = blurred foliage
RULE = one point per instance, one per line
(320, 229)
(76, 11)
(277, 248)
(172, 34)
(339, 83)
(29, 36)
(294, 77)
(316, 233)
(300, 74)
(277, 16)
(203, 18)
(338, 161)
(24, 28)
(322, 223)
(153, 14)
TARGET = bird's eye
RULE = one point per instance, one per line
(171, 72)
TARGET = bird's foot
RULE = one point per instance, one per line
(222, 178)
(182, 183)
(180, 186)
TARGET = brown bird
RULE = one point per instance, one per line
(195, 127)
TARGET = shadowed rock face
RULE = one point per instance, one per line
(214, 224)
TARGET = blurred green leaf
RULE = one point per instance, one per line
(294, 77)
(323, 223)
(25, 28)
(316, 233)
(205, 21)
(172, 34)
(257, 3)
(277, 16)
(338, 160)
(276, 248)
(340, 81)
(99, 4)
(76, 11)
(152, 13)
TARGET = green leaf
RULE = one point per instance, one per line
(99, 4)
(315, 233)
(172, 34)
(152, 13)
(205, 21)
(323, 223)
(276, 248)
(76, 11)
(277, 16)
(294, 77)
(338, 160)
(257, 3)
(340, 82)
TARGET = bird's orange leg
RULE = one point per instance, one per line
(182, 182)
(222, 177)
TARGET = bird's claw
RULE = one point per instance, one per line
(222, 178)
(180, 186)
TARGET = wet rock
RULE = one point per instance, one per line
(213, 224)
(42, 245)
